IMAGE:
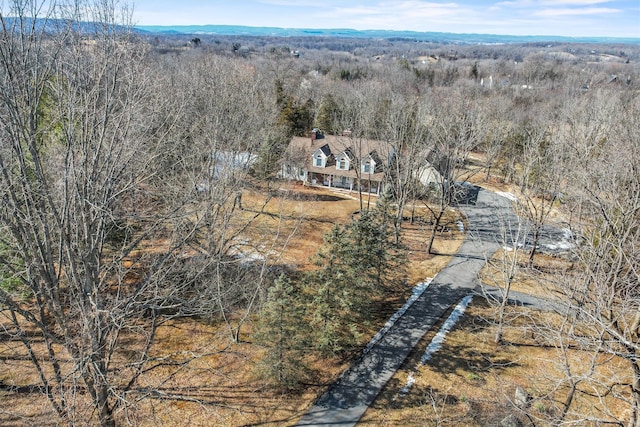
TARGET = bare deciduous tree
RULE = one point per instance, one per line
(604, 292)
(506, 265)
(597, 335)
(229, 115)
(541, 175)
(408, 147)
(454, 130)
(70, 158)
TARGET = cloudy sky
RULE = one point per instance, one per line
(612, 18)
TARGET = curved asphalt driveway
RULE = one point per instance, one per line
(350, 396)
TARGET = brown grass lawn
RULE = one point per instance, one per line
(217, 382)
(469, 382)
(538, 280)
(472, 382)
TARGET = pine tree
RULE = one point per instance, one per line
(332, 297)
(358, 264)
(295, 116)
(281, 331)
(270, 151)
(327, 115)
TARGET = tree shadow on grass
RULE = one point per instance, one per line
(307, 196)
(462, 358)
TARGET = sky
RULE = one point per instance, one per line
(574, 18)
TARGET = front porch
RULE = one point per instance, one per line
(344, 182)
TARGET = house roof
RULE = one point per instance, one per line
(359, 147)
(375, 157)
(301, 149)
(325, 150)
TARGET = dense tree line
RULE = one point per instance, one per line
(110, 140)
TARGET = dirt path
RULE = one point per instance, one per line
(349, 397)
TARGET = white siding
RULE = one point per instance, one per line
(319, 159)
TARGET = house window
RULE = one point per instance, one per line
(318, 162)
(288, 169)
(366, 168)
(343, 164)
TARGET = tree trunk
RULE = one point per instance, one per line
(105, 412)
(503, 305)
(634, 410)
(434, 230)
(568, 401)
(534, 246)
(413, 212)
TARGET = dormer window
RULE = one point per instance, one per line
(343, 160)
(322, 157)
(370, 162)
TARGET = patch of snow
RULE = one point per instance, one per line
(438, 340)
(250, 257)
(415, 294)
(246, 257)
(558, 247)
(452, 320)
(565, 244)
(509, 196)
(411, 380)
(519, 245)
(226, 162)
(248, 254)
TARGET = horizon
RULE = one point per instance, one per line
(551, 18)
(204, 29)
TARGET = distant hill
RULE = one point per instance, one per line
(237, 30)
(54, 25)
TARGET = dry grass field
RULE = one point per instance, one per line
(208, 379)
(211, 381)
(472, 382)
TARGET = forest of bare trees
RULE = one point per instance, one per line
(126, 161)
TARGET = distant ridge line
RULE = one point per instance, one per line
(240, 30)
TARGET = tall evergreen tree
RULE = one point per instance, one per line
(327, 114)
(280, 329)
(332, 296)
(295, 116)
(357, 266)
(390, 266)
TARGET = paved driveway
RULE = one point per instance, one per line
(350, 396)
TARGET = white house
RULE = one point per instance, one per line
(343, 162)
(335, 161)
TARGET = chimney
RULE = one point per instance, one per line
(316, 134)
